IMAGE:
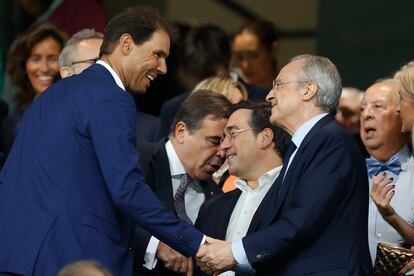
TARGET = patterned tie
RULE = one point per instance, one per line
(179, 199)
(375, 167)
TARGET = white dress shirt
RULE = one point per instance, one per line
(247, 205)
(194, 197)
(238, 251)
(402, 202)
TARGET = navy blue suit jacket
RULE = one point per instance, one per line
(72, 180)
(317, 224)
(155, 164)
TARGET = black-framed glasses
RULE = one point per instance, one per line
(277, 83)
(230, 134)
(91, 61)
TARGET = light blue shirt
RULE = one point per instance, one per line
(237, 247)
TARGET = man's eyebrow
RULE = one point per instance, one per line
(161, 53)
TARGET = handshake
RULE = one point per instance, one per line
(213, 257)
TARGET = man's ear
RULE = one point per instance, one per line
(310, 91)
(180, 130)
(125, 43)
(266, 138)
(65, 72)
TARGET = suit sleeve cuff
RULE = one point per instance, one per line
(150, 260)
(240, 256)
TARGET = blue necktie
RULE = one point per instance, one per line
(375, 167)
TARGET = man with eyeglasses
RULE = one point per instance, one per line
(71, 187)
(316, 217)
(180, 166)
(80, 52)
(254, 151)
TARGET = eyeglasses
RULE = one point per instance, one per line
(230, 134)
(276, 83)
(91, 61)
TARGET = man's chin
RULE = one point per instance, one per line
(137, 91)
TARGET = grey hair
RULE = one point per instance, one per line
(324, 73)
(67, 56)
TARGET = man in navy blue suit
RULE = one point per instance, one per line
(316, 219)
(71, 184)
(254, 150)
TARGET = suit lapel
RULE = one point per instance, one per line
(227, 205)
(162, 176)
(264, 210)
(298, 158)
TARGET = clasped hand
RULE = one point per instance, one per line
(174, 260)
(215, 256)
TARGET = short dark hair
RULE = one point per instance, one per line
(198, 106)
(140, 22)
(265, 31)
(205, 50)
(260, 119)
(16, 61)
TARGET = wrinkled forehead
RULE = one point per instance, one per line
(384, 92)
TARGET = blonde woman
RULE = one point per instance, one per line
(233, 90)
(405, 76)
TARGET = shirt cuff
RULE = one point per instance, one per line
(203, 240)
(150, 260)
(240, 256)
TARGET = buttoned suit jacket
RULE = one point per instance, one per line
(155, 164)
(72, 179)
(316, 220)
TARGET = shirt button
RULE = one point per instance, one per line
(258, 256)
(379, 235)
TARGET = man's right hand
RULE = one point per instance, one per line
(174, 260)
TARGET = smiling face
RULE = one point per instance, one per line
(143, 62)
(199, 150)
(42, 66)
(380, 121)
(243, 148)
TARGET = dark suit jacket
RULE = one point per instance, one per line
(154, 162)
(71, 181)
(318, 223)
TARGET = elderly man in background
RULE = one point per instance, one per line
(80, 52)
(390, 167)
